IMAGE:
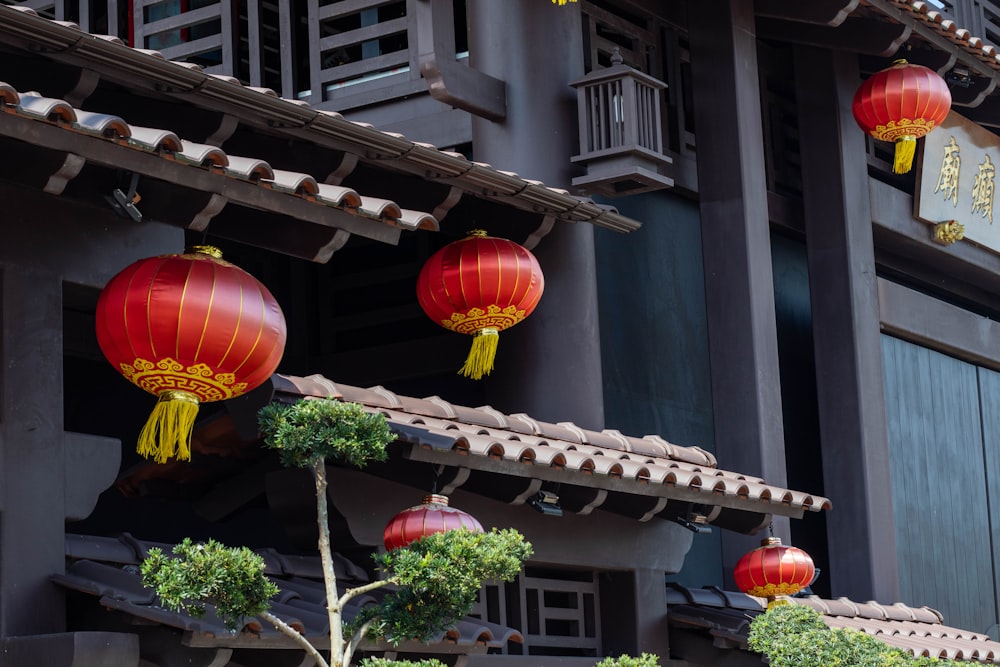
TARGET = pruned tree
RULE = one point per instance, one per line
(436, 578)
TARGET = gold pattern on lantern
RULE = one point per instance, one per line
(476, 318)
(896, 129)
(168, 374)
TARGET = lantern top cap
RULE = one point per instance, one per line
(771, 542)
(435, 499)
(480, 233)
(900, 61)
(209, 250)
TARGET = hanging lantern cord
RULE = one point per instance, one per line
(483, 352)
(906, 148)
(167, 432)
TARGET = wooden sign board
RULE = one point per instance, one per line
(957, 177)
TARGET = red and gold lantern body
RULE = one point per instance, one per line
(773, 569)
(432, 516)
(901, 104)
(480, 286)
(188, 328)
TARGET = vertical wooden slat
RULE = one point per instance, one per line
(935, 442)
(287, 51)
(256, 52)
(229, 28)
(315, 57)
(989, 398)
(113, 27)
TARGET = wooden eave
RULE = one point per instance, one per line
(262, 108)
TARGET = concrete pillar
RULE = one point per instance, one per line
(550, 365)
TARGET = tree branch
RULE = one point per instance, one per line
(352, 593)
(355, 640)
(296, 636)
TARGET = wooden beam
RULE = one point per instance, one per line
(449, 82)
(611, 484)
(736, 247)
(822, 12)
(933, 323)
(855, 35)
(847, 347)
(112, 155)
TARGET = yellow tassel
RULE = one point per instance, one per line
(906, 148)
(168, 430)
(484, 350)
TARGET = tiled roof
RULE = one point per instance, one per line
(648, 465)
(107, 567)
(161, 154)
(931, 16)
(21, 26)
(920, 631)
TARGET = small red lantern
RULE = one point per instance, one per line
(432, 516)
(901, 104)
(188, 328)
(480, 286)
(772, 569)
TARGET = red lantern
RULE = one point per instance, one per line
(480, 286)
(433, 516)
(901, 104)
(772, 569)
(188, 328)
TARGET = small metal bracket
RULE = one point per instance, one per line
(124, 203)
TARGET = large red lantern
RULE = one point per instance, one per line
(773, 569)
(480, 286)
(901, 104)
(188, 328)
(432, 516)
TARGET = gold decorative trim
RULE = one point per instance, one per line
(948, 232)
(475, 319)
(904, 127)
(167, 374)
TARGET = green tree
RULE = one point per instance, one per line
(792, 635)
(438, 577)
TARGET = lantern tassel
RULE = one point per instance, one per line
(168, 430)
(906, 148)
(484, 350)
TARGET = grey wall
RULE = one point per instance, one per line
(793, 316)
(654, 339)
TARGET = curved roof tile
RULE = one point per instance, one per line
(519, 438)
(33, 106)
(368, 139)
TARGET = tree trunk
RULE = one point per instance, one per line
(329, 574)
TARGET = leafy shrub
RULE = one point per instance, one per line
(439, 577)
(305, 431)
(385, 662)
(644, 660)
(792, 635)
(230, 578)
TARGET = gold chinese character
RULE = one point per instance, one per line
(982, 191)
(951, 163)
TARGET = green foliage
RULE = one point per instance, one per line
(795, 636)
(644, 660)
(439, 577)
(385, 662)
(311, 430)
(230, 578)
